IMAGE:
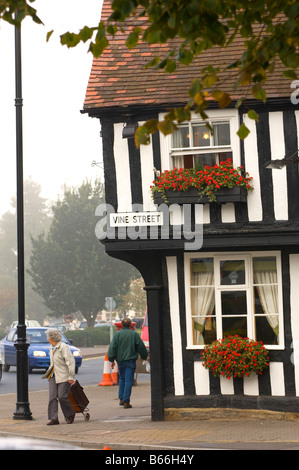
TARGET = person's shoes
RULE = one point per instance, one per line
(121, 403)
(53, 422)
(127, 405)
(70, 419)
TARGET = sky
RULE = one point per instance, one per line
(59, 143)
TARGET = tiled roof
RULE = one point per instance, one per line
(119, 78)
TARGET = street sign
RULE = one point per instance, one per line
(68, 318)
(110, 303)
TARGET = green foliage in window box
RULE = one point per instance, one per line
(234, 356)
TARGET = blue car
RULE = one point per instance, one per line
(38, 350)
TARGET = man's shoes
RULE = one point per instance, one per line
(53, 422)
(121, 403)
(127, 405)
(70, 419)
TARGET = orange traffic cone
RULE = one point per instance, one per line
(115, 374)
(106, 448)
(107, 379)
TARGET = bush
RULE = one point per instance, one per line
(90, 336)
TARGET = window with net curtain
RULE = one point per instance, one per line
(234, 296)
(194, 145)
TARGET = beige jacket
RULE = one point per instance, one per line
(63, 361)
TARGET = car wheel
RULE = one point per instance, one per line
(0, 372)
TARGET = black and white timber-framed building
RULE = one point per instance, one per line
(244, 279)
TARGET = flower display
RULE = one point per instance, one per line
(234, 356)
(207, 179)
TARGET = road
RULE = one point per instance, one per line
(90, 373)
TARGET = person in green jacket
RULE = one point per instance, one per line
(124, 349)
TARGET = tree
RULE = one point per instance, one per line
(135, 298)
(36, 218)
(69, 266)
(269, 29)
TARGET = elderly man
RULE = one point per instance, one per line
(124, 349)
(61, 374)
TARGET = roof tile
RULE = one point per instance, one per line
(120, 71)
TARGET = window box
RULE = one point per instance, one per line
(191, 196)
(219, 183)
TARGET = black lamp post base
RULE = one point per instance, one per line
(22, 412)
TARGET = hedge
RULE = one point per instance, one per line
(90, 337)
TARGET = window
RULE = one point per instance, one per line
(194, 145)
(233, 295)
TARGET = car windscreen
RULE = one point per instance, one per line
(35, 336)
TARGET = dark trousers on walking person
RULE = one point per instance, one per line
(126, 371)
(59, 392)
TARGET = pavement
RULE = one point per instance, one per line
(112, 426)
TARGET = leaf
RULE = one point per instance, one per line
(182, 114)
(97, 47)
(258, 92)
(170, 66)
(111, 29)
(196, 87)
(210, 80)
(49, 34)
(133, 38)
(171, 21)
(239, 102)
(253, 115)
(185, 57)
(290, 74)
(222, 98)
(86, 33)
(69, 39)
(199, 99)
(243, 132)
(142, 133)
(153, 63)
(167, 126)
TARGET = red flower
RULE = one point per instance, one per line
(207, 181)
(235, 357)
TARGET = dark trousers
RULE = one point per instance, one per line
(59, 392)
(126, 380)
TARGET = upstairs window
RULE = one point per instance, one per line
(194, 145)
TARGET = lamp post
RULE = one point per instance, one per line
(22, 406)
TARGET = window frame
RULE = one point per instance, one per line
(218, 288)
(214, 116)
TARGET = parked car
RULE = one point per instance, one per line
(38, 350)
(28, 323)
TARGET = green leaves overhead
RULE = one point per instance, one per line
(269, 30)
(14, 11)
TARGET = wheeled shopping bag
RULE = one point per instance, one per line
(79, 400)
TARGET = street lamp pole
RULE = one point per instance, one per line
(22, 406)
